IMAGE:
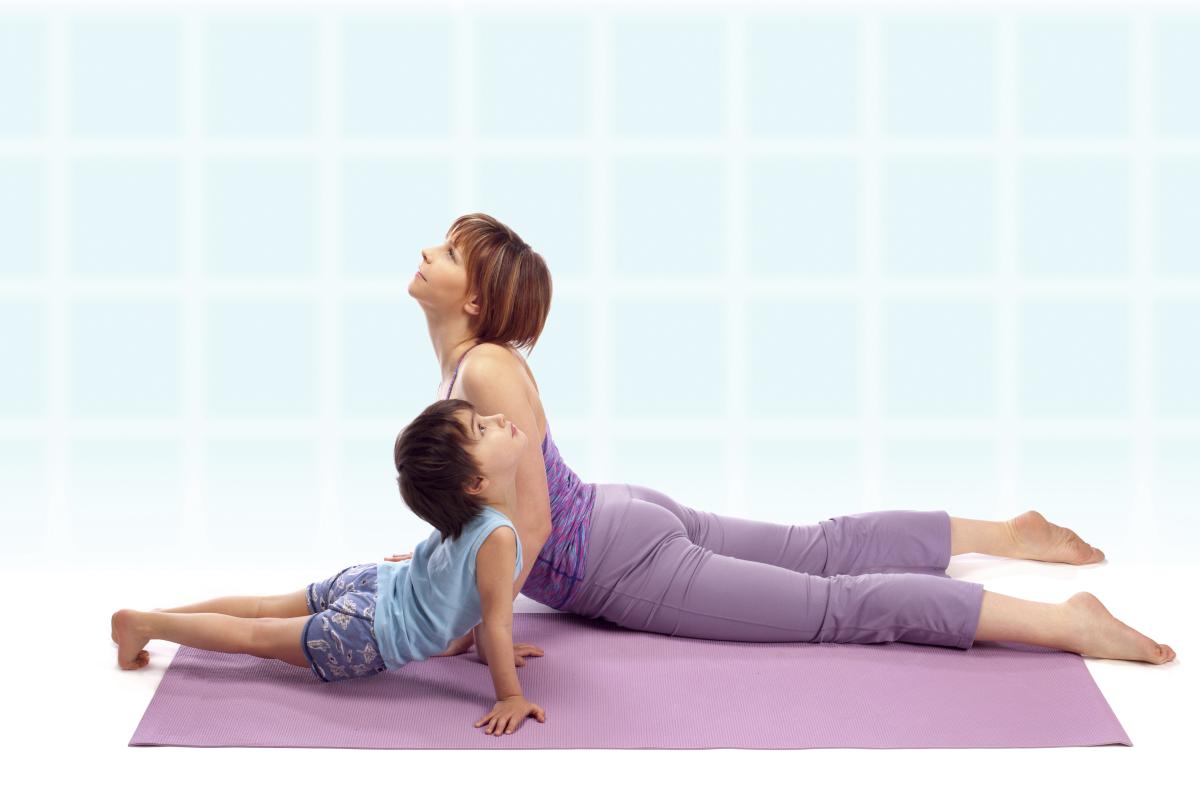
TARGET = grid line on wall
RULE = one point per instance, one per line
(869, 441)
(1143, 509)
(463, 149)
(579, 147)
(193, 535)
(57, 254)
(1007, 454)
(329, 525)
(601, 227)
(734, 315)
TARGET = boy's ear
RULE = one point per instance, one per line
(481, 483)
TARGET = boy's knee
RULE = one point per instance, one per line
(275, 638)
(256, 636)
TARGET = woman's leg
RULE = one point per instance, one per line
(851, 544)
(265, 638)
(1081, 624)
(982, 536)
(645, 573)
(880, 541)
(1028, 535)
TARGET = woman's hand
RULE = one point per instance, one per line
(508, 714)
(398, 557)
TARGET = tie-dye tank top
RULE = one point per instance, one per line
(560, 565)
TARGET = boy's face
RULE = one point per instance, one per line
(495, 443)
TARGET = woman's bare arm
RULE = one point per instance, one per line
(495, 385)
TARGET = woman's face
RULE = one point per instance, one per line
(440, 277)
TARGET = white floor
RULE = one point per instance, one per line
(69, 711)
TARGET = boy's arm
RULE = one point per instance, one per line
(476, 634)
(495, 564)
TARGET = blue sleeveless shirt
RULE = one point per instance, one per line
(431, 599)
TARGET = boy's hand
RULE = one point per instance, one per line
(520, 653)
(523, 650)
(398, 557)
(463, 644)
(508, 714)
(460, 645)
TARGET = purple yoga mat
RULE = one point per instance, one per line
(603, 686)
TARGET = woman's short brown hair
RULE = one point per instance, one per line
(511, 279)
(434, 467)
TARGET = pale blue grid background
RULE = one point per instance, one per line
(805, 264)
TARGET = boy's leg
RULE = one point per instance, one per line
(265, 638)
(292, 604)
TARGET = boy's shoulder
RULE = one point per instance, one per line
(489, 516)
(499, 543)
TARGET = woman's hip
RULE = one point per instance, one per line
(625, 545)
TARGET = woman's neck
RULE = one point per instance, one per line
(450, 338)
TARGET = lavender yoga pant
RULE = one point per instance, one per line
(656, 565)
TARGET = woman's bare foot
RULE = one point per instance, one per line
(1038, 540)
(130, 636)
(1101, 635)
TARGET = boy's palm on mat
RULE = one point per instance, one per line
(508, 714)
(520, 651)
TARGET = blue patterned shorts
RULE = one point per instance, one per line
(339, 639)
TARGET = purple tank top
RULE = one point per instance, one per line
(560, 565)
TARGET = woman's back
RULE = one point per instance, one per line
(561, 562)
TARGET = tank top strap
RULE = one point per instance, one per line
(456, 366)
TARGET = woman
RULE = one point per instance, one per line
(634, 556)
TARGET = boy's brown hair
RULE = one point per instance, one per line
(434, 467)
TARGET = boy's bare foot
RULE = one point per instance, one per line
(1101, 635)
(1038, 540)
(130, 637)
(114, 627)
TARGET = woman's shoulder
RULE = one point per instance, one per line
(504, 352)
(505, 355)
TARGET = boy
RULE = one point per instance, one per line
(457, 471)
